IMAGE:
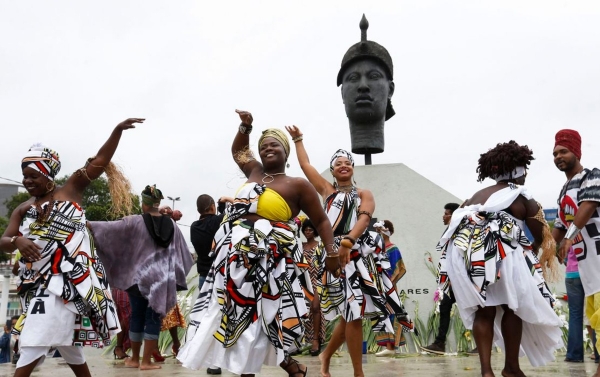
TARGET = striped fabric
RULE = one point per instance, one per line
(486, 237)
(258, 276)
(70, 269)
(364, 289)
(584, 186)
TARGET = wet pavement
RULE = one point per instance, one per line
(403, 365)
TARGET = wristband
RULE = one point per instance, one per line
(297, 138)
(13, 239)
(245, 128)
(572, 232)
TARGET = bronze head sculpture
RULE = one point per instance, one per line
(366, 77)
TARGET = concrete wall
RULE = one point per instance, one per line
(415, 206)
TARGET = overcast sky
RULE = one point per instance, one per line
(468, 74)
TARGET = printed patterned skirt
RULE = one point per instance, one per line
(249, 309)
(490, 262)
(310, 333)
(364, 289)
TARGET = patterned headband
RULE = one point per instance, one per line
(518, 172)
(381, 225)
(340, 153)
(42, 159)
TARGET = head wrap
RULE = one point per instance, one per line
(569, 139)
(380, 225)
(517, 173)
(340, 153)
(42, 159)
(278, 135)
(151, 196)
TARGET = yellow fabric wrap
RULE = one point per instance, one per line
(273, 207)
(592, 311)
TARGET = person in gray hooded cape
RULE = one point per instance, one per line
(145, 255)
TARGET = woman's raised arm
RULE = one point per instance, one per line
(240, 149)
(323, 187)
(96, 165)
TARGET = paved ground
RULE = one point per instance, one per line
(412, 366)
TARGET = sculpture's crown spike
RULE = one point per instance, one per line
(364, 25)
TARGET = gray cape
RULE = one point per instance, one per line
(130, 256)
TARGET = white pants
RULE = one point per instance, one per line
(72, 354)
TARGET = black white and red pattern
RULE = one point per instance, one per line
(255, 286)
(70, 270)
(364, 289)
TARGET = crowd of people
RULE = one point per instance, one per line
(263, 293)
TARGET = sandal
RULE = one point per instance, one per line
(119, 357)
(294, 365)
(158, 358)
(317, 351)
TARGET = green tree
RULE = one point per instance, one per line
(3, 224)
(97, 202)
(14, 201)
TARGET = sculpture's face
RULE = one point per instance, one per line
(365, 91)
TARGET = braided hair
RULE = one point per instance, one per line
(503, 159)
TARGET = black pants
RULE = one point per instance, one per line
(445, 308)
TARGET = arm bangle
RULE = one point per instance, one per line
(245, 128)
(297, 138)
(572, 232)
(365, 213)
(346, 243)
(349, 238)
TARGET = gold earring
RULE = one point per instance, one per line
(52, 186)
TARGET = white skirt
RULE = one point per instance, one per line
(518, 290)
(251, 351)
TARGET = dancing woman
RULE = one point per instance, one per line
(61, 281)
(145, 255)
(249, 309)
(496, 278)
(364, 289)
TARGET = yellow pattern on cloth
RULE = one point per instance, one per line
(273, 207)
(592, 311)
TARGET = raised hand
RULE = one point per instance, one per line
(294, 131)
(129, 123)
(245, 117)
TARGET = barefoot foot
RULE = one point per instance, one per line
(149, 366)
(129, 363)
(324, 366)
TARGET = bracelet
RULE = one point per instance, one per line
(349, 238)
(572, 232)
(13, 239)
(245, 128)
(365, 213)
(346, 243)
(332, 255)
(297, 138)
